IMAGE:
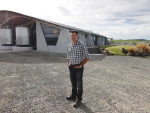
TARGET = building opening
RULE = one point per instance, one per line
(18, 34)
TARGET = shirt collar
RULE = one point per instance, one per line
(76, 43)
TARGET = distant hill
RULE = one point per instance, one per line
(131, 40)
(138, 39)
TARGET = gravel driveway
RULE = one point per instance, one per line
(38, 82)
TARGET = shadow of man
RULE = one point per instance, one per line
(85, 108)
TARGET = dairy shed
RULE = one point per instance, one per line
(19, 32)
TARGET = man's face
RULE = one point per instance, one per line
(74, 37)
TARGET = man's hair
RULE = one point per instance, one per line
(74, 31)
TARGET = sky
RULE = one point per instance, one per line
(117, 19)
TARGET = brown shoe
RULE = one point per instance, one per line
(71, 98)
(77, 103)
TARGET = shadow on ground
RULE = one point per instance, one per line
(85, 108)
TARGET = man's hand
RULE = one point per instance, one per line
(77, 67)
(68, 65)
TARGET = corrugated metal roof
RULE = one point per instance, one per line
(14, 19)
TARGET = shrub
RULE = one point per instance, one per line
(139, 50)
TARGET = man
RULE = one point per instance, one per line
(77, 57)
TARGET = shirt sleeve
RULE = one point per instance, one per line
(67, 52)
(85, 51)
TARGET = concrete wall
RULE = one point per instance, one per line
(6, 48)
(89, 41)
(107, 43)
(104, 41)
(0, 37)
(40, 39)
(101, 41)
(82, 38)
(63, 41)
(51, 48)
(16, 48)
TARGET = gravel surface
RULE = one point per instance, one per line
(38, 82)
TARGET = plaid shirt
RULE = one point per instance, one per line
(77, 53)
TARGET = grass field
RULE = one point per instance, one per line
(131, 41)
(117, 50)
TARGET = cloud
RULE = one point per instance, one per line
(112, 18)
(64, 11)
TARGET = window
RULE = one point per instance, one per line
(51, 34)
(94, 38)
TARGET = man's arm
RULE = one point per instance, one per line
(68, 63)
(82, 63)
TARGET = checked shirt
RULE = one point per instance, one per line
(77, 53)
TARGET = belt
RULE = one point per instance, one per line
(73, 65)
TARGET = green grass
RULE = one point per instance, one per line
(131, 41)
(106, 46)
(117, 50)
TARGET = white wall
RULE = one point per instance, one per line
(99, 41)
(40, 39)
(0, 37)
(51, 48)
(63, 41)
(82, 38)
(89, 41)
(104, 41)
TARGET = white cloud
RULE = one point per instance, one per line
(112, 18)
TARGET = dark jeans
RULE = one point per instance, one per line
(76, 76)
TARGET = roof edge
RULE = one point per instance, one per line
(58, 24)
